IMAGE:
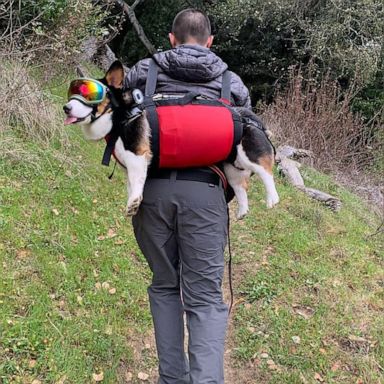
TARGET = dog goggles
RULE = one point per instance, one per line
(88, 91)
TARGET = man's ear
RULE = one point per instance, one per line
(209, 41)
(115, 75)
(172, 39)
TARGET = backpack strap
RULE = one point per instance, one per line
(150, 107)
(150, 85)
(226, 86)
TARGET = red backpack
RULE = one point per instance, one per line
(191, 131)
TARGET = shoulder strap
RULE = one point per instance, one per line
(226, 86)
(150, 85)
(150, 107)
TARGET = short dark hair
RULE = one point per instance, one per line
(191, 23)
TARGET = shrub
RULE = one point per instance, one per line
(318, 117)
(25, 109)
(51, 33)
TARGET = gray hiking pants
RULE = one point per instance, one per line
(181, 228)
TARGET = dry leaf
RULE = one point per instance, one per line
(105, 285)
(264, 355)
(112, 291)
(119, 242)
(98, 376)
(108, 330)
(111, 233)
(357, 339)
(303, 379)
(62, 380)
(143, 376)
(98, 285)
(271, 365)
(101, 238)
(335, 366)
(55, 211)
(23, 253)
(36, 381)
(32, 363)
(296, 339)
(318, 377)
(94, 201)
(128, 376)
(74, 210)
(322, 351)
(305, 312)
(79, 299)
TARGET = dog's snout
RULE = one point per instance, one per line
(67, 108)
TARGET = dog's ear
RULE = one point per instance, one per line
(115, 75)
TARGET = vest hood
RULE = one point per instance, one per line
(191, 63)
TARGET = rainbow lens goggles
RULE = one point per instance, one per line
(88, 91)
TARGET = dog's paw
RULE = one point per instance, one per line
(241, 213)
(272, 200)
(133, 206)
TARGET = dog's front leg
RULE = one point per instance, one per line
(136, 166)
(137, 174)
(238, 180)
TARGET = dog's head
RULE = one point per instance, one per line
(95, 116)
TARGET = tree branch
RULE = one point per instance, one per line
(290, 169)
(135, 4)
(129, 10)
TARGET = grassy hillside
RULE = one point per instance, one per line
(73, 306)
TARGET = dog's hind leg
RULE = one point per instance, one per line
(238, 180)
(263, 170)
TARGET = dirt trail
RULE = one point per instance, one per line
(233, 374)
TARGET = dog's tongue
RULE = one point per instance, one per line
(70, 120)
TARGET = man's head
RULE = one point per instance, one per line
(191, 26)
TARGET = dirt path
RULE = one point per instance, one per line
(233, 373)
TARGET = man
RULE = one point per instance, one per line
(181, 226)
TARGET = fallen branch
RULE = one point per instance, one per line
(290, 169)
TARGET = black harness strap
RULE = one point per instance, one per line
(111, 142)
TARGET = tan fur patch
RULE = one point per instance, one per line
(144, 147)
(245, 183)
(267, 162)
(101, 108)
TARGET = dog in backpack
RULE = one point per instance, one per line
(254, 153)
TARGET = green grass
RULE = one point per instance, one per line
(308, 272)
(300, 270)
(63, 232)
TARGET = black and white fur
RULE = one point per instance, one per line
(255, 153)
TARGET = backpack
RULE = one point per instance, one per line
(191, 131)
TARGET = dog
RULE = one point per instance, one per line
(255, 153)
